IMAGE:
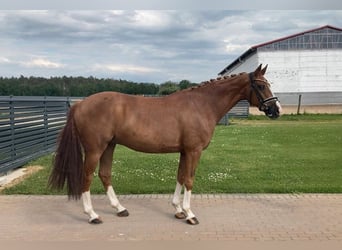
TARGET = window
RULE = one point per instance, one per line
(326, 38)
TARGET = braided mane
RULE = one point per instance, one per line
(218, 80)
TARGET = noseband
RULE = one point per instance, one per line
(263, 103)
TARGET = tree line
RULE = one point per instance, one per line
(83, 86)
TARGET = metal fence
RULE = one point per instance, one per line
(29, 127)
(240, 110)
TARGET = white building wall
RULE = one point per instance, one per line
(298, 71)
(304, 71)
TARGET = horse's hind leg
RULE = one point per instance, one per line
(106, 178)
(90, 163)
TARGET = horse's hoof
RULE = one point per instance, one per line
(95, 221)
(123, 213)
(192, 221)
(180, 215)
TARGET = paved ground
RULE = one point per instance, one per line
(261, 217)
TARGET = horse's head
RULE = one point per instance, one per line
(261, 94)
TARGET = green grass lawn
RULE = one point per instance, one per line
(294, 154)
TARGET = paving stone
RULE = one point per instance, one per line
(235, 217)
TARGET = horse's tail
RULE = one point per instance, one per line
(68, 160)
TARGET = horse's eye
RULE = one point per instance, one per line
(261, 87)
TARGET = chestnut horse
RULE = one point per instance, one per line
(182, 122)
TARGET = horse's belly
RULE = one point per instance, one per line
(150, 142)
(150, 147)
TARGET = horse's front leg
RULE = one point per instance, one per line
(176, 202)
(184, 211)
(186, 174)
(190, 217)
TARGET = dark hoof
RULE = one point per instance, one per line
(96, 221)
(192, 221)
(180, 215)
(123, 213)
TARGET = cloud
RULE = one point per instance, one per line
(143, 45)
(42, 63)
(4, 60)
(150, 19)
(235, 48)
(122, 68)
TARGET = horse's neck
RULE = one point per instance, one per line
(222, 95)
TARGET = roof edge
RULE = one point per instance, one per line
(294, 35)
(245, 55)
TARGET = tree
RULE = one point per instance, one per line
(184, 84)
(71, 86)
(168, 88)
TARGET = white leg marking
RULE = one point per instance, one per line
(114, 202)
(176, 198)
(88, 207)
(186, 204)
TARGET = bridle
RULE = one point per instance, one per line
(263, 103)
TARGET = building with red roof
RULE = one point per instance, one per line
(306, 64)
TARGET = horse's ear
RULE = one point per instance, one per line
(263, 71)
(257, 71)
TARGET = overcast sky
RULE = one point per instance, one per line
(142, 46)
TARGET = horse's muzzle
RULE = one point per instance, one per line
(271, 109)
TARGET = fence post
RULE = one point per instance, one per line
(12, 124)
(299, 103)
(46, 122)
(226, 119)
(68, 102)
